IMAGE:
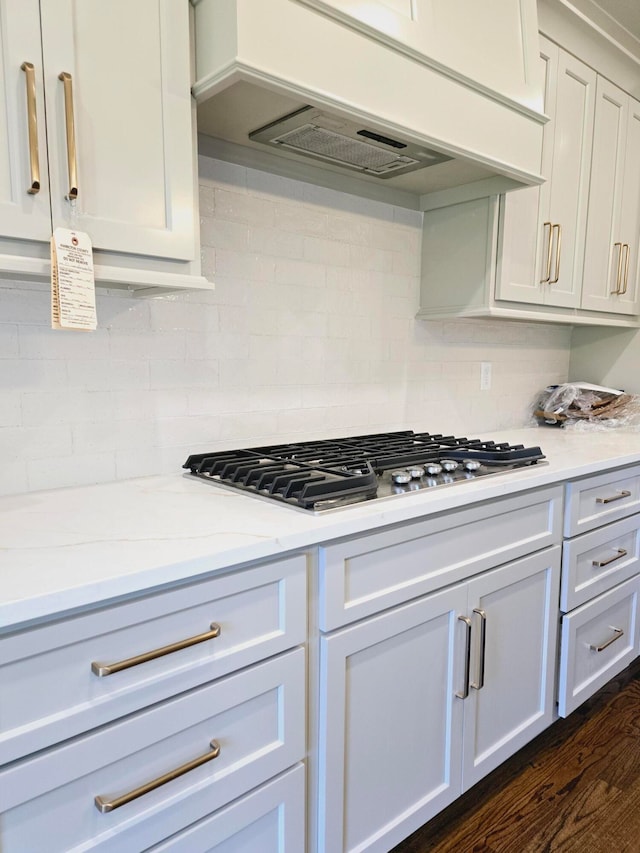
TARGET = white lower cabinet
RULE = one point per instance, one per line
(420, 702)
(600, 592)
(177, 719)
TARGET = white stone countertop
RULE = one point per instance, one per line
(73, 547)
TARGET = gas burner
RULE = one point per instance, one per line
(331, 473)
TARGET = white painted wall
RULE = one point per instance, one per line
(310, 333)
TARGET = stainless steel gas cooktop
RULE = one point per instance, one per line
(332, 473)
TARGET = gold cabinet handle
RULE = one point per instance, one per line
(72, 161)
(103, 669)
(618, 556)
(545, 280)
(619, 272)
(626, 267)
(104, 805)
(617, 633)
(32, 122)
(623, 494)
(479, 684)
(558, 249)
(462, 694)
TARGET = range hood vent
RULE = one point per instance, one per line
(313, 133)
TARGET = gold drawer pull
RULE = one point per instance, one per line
(623, 494)
(102, 669)
(548, 262)
(556, 277)
(626, 268)
(103, 805)
(72, 159)
(32, 121)
(618, 246)
(600, 563)
(618, 632)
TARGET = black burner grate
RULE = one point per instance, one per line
(314, 472)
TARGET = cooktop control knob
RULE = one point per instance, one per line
(471, 464)
(449, 464)
(416, 471)
(401, 477)
(433, 468)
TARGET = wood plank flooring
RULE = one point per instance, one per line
(574, 789)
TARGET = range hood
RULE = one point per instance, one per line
(291, 87)
(310, 132)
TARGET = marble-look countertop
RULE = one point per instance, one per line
(74, 547)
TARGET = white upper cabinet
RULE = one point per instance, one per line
(24, 182)
(129, 81)
(475, 40)
(97, 110)
(611, 252)
(544, 266)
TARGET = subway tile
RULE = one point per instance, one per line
(57, 472)
(240, 207)
(273, 241)
(8, 341)
(38, 343)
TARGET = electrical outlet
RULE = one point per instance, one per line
(485, 375)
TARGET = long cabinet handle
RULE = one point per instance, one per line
(479, 684)
(32, 122)
(72, 160)
(558, 250)
(619, 270)
(548, 263)
(617, 633)
(600, 563)
(462, 694)
(104, 805)
(623, 494)
(626, 268)
(103, 669)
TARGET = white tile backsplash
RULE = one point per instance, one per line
(309, 333)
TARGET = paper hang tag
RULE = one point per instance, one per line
(73, 290)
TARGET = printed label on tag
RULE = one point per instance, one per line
(73, 291)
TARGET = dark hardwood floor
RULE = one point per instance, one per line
(574, 789)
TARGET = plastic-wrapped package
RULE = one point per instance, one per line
(583, 406)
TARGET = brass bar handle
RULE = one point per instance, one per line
(626, 268)
(104, 805)
(623, 494)
(104, 669)
(600, 563)
(558, 250)
(72, 160)
(479, 684)
(545, 280)
(619, 272)
(32, 122)
(462, 694)
(617, 633)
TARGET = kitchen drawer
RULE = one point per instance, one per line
(597, 561)
(601, 499)
(256, 717)
(599, 640)
(50, 692)
(268, 820)
(367, 574)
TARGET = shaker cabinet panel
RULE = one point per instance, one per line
(129, 85)
(24, 181)
(390, 713)
(609, 282)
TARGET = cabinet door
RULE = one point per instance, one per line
(512, 687)
(522, 249)
(23, 214)
(390, 723)
(604, 253)
(569, 180)
(628, 302)
(129, 65)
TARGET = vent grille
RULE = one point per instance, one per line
(341, 149)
